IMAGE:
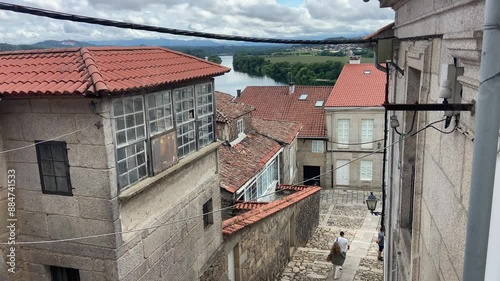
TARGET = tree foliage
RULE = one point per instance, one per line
(215, 58)
(285, 72)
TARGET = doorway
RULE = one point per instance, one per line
(312, 175)
(342, 172)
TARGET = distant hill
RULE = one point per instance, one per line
(44, 45)
(158, 42)
(61, 44)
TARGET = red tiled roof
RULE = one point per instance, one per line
(228, 109)
(240, 163)
(292, 187)
(98, 70)
(239, 222)
(249, 205)
(275, 103)
(281, 131)
(356, 88)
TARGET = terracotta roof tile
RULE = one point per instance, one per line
(97, 70)
(281, 131)
(276, 103)
(292, 187)
(359, 85)
(249, 205)
(228, 109)
(240, 163)
(239, 222)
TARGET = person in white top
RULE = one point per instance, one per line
(344, 243)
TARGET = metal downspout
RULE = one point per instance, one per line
(485, 151)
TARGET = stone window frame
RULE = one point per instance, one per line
(365, 130)
(343, 126)
(318, 146)
(208, 216)
(365, 172)
(47, 167)
(64, 273)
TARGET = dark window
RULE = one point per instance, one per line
(64, 274)
(208, 216)
(54, 167)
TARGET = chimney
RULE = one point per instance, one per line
(291, 88)
(354, 59)
(238, 93)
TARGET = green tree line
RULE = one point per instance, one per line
(325, 73)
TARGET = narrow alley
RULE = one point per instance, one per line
(340, 210)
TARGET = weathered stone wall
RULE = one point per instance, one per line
(264, 246)
(178, 250)
(247, 123)
(432, 249)
(93, 208)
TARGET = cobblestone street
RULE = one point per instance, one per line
(340, 210)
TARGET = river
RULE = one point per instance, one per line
(234, 80)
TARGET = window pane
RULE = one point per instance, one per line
(131, 162)
(131, 135)
(121, 153)
(129, 106)
(151, 101)
(118, 108)
(49, 183)
(123, 180)
(57, 152)
(140, 132)
(121, 139)
(122, 167)
(130, 150)
(133, 176)
(142, 171)
(62, 184)
(141, 159)
(120, 123)
(60, 169)
(138, 104)
(47, 168)
(130, 121)
(139, 118)
(45, 152)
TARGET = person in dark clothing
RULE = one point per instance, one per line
(380, 242)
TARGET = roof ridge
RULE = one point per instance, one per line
(94, 73)
(40, 51)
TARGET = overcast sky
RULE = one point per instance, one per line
(263, 18)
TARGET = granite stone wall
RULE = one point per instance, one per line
(264, 247)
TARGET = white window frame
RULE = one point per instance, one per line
(318, 146)
(264, 183)
(133, 129)
(159, 110)
(367, 133)
(240, 126)
(185, 118)
(205, 114)
(343, 133)
(366, 170)
(132, 152)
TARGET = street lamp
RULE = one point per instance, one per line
(371, 203)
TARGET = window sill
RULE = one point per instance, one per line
(130, 192)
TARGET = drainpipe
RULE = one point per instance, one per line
(484, 157)
(379, 67)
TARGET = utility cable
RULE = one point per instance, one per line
(126, 25)
(219, 210)
(51, 139)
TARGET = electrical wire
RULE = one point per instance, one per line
(219, 210)
(126, 25)
(51, 139)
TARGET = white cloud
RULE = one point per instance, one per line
(265, 18)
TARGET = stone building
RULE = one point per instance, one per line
(111, 141)
(258, 243)
(305, 105)
(257, 155)
(355, 123)
(438, 45)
